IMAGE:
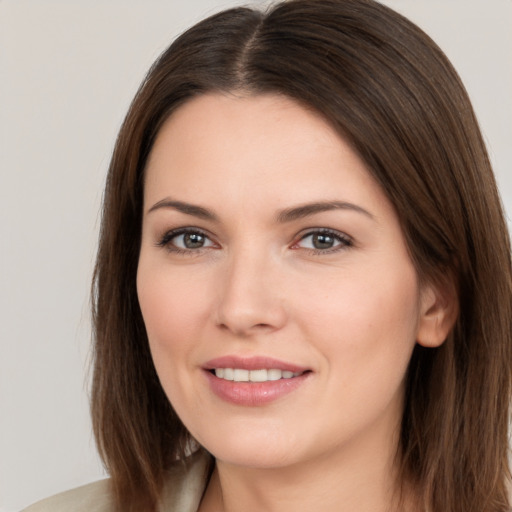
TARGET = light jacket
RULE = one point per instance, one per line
(183, 491)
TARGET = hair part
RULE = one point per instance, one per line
(393, 95)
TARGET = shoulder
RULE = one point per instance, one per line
(186, 482)
(183, 490)
(95, 497)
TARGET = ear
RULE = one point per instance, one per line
(439, 307)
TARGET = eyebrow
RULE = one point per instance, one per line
(283, 216)
(187, 208)
(302, 211)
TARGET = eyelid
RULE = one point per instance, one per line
(164, 240)
(344, 239)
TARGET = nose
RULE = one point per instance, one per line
(251, 299)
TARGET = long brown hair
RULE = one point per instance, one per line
(394, 96)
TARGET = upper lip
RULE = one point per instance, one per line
(253, 363)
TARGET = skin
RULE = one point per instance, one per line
(351, 313)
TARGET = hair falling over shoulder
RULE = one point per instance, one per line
(389, 90)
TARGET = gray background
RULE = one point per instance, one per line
(68, 70)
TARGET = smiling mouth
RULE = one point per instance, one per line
(254, 381)
(260, 375)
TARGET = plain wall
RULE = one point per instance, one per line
(68, 70)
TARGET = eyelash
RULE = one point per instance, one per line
(166, 241)
(344, 240)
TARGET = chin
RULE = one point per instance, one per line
(262, 450)
(255, 459)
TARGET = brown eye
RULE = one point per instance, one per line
(193, 240)
(324, 240)
(185, 240)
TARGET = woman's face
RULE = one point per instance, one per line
(269, 253)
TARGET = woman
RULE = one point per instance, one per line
(302, 291)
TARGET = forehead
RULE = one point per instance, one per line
(218, 147)
(217, 120)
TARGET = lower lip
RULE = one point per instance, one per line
(254, 393)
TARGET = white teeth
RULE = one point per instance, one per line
(274, 374)
(258, 375)
(241, 375)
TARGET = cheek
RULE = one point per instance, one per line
(364, 331)
(365, 324)
(366, 300)
(173, 307)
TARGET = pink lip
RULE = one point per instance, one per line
(252, 363)
(253, 394)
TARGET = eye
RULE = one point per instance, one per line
(323, 240)
(185, 240)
